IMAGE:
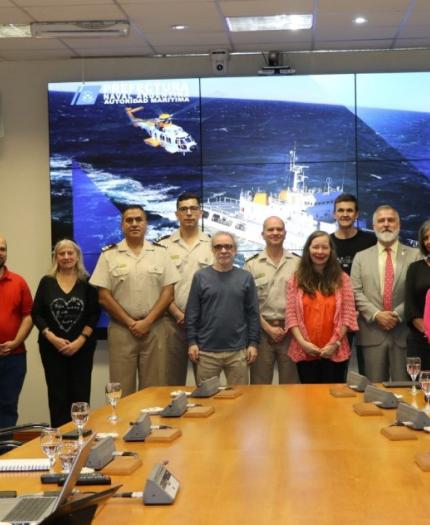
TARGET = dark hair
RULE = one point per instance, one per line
(308, 279)
(186, 195)
(132, 207)
(425, 226)
(346, 197)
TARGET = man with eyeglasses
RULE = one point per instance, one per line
(222, 317)
(135, 280)
(190, 250)
(271, 269)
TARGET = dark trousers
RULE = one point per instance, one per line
(12, 373)
(322, 371)
(68, 379)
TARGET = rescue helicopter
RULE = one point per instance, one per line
(163, 132)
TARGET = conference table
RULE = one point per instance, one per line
(291, 454)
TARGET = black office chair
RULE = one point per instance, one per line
(13, 437)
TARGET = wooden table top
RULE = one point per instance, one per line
(277, 454)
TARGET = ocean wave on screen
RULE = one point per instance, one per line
(123, 190)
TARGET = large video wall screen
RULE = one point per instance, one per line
(250, 146)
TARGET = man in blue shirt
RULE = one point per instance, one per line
(222, 316)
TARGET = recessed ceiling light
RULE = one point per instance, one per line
(15, 31)
(179, 27)
(360, 20)
(269, 23)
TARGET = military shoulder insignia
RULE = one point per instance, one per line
(252, 257)
(155, 243)
(109, 247)
(161, 239)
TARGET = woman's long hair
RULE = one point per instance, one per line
(422, 232)
(81, 272)
(311, 281)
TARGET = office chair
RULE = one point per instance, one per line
(13, 437)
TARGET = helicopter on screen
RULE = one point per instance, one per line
(163, 132)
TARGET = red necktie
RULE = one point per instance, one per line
(387, 299)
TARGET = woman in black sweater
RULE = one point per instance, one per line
(65, 311)
(417, 284)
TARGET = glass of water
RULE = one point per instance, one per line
(413, 367)
(80, 413)
(50, 442)
(113, 394)
(68, 453)
(425, 387)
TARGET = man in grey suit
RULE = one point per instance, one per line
(378, 279)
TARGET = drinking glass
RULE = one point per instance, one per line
(113, 393)
(80, 413)
(413, 367)
(50, 442)
(425, 387)
(68, 453)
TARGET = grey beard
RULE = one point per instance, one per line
(387, 236)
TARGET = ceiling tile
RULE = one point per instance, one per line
(181, 38)
(199, 17)
(12, 15)
(364, 6)
(34, 54)
(75, 12)
(270, 7)
(412, 42)
(352, 44)
(420, 17)
(61, 3)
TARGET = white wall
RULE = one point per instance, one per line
(24, 167)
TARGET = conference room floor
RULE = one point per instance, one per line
(276, 454)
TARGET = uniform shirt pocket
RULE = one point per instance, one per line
(204, 261)
(120, 272)
(155, 270)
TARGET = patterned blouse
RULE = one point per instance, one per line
(345, 315)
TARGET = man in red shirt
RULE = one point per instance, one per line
(15, 325)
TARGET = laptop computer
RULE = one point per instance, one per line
(34, 509)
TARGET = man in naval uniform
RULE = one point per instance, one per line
(135, 280)
(271, 270)
(190, 250)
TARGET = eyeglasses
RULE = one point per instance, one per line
(185, 209)
(219, 247)
(131, 220)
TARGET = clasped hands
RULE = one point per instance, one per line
(140, 328)
(387, 319)
(275, 333)
(315, 351)
(64, 346)
(194, 351)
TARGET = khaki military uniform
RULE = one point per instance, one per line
(187, 261)
(135, 282)
(270, 281)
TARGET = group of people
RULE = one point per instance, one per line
(182, 298)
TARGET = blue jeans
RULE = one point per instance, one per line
(12, 373)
